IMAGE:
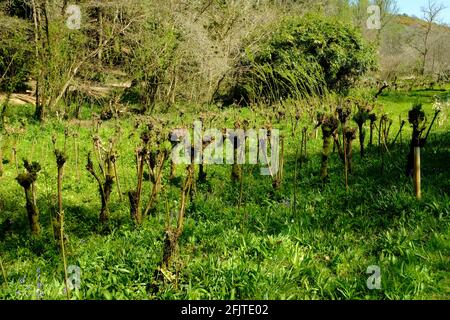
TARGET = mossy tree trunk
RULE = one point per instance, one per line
(33, 212)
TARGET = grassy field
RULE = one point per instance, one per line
(264, 249)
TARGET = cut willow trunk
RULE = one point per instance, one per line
(172, 235)
(360, 118)
(26, 180)
(107, 190)
(344, 112)
(105, 185)
(135, 196)
(201, 168)
(350, 136)
(416, 118)
(57, 223)
(372, 119)
(329, 127)
(162, 156)
(346, 151)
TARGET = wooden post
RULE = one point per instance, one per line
(417, 186)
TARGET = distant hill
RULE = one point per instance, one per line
(402, 42)
(411, 21)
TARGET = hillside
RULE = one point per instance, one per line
(399, 55)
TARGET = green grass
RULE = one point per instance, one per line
(264, 250)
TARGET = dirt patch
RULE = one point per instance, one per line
(18, 99)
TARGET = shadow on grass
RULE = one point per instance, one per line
(376, 199)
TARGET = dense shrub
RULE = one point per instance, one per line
(302, 56)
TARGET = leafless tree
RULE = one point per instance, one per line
(423, 45)
(388, 8)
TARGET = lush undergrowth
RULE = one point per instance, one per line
(268, 248)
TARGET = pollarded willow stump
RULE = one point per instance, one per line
(26, 181)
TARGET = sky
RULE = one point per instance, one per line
(412, 8)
